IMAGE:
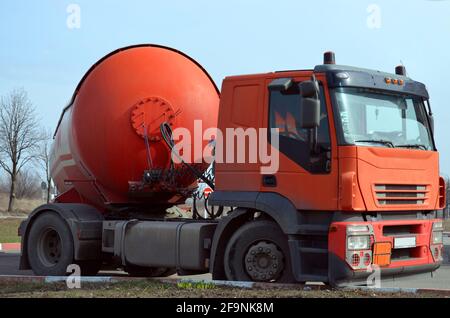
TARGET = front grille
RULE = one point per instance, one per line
(398, 230)
(401, 194)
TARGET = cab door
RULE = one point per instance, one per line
(307, 177)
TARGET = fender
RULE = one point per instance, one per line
(84, 221)
(291, 221)
(227, 225)
(275, 205)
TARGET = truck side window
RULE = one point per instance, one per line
(284, 114)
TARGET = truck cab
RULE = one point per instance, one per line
(357, 184)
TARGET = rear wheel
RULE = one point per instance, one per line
(50, 245)
(50, 248)
(258, 251)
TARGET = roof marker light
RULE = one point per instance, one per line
(400, 70)
(329, 58)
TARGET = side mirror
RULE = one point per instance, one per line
(310, 104)
(431, 118)
(310, 109)
(309, 88)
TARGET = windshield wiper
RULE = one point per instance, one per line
(418, 146)
(378, 141)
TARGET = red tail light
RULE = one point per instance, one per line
(355, 260)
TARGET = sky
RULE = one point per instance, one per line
(46, 46)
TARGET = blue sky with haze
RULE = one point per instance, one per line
(41, 54)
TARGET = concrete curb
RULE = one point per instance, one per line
(240, 284)
(10, 247)
(61, 279)
(18, 217)
(113, 279)
(445, 292)
(383, 289)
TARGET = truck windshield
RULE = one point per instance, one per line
(380, 119)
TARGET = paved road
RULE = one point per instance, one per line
(9, 264)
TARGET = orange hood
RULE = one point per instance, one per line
(394, 179)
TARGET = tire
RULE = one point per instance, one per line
(50, 245)
(258, 251)
(50, 225)
(139, 271)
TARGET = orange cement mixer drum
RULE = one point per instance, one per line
(100, 142)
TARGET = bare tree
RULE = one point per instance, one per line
(44, 159)
(19, 136)
(28, 185)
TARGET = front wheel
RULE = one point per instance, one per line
(258, 251)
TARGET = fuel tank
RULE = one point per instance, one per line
(108, 148)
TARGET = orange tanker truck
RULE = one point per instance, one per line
(354, 184)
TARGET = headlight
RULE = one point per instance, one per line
(436, 237)
(438, 226)
(360, 242)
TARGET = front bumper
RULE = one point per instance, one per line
(403, 262)
(342, 275)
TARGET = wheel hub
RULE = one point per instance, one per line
(49, 247)
(264, 262)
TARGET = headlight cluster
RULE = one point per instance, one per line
(437, 240)
(359, 241)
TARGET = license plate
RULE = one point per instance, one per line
(404, 242)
